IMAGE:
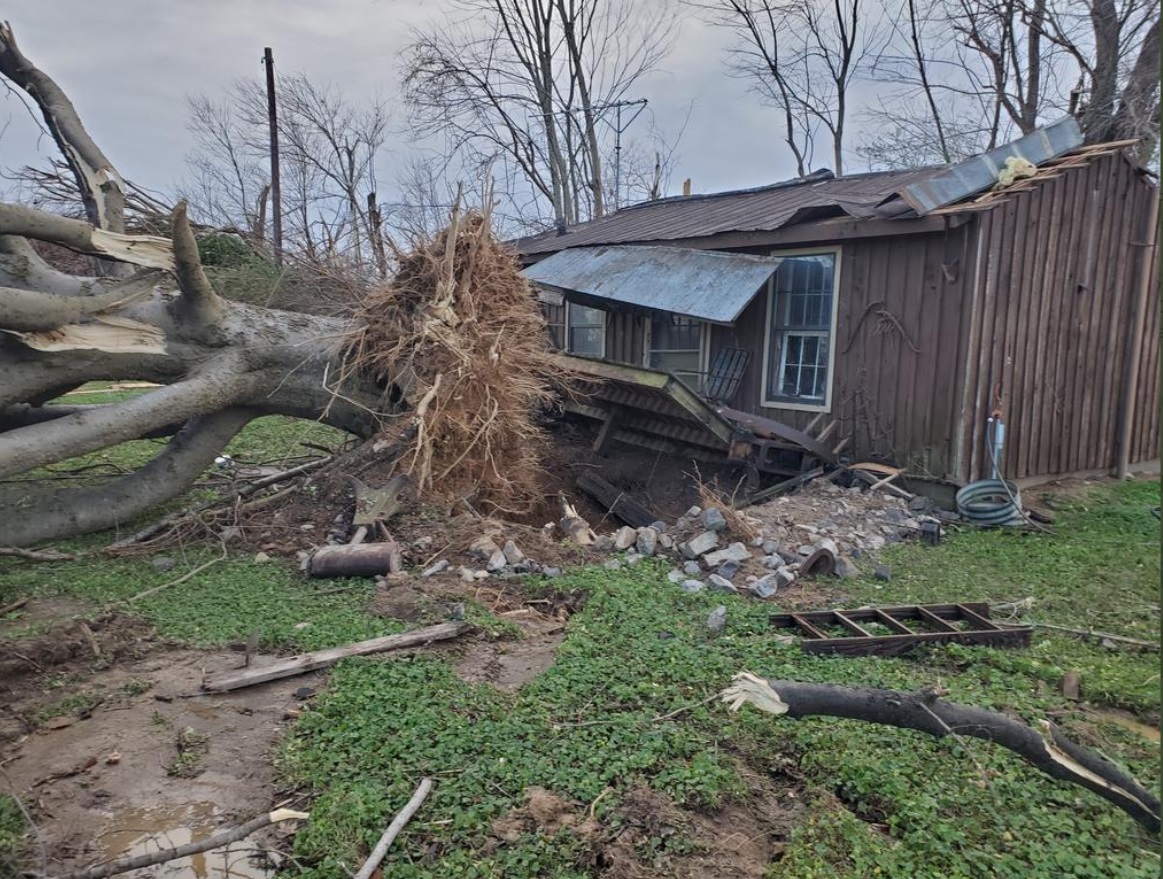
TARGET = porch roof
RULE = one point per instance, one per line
(704, 284)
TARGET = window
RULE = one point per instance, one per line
(801, 321)
(586, 330)
(675, 344)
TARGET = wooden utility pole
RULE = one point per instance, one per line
(268, 59)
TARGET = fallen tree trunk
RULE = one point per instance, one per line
(306, 662)
(1046, 749)
(151, 316)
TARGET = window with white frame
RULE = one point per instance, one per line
(675, 344)
(585, 330)
(801, 322)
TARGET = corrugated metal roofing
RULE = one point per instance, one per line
(706, 284)
(751, 210)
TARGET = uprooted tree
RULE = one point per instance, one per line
(148, 313)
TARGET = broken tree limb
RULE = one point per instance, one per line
(242, 831)
(615, 501)
(398, 824)
(356, 560)
(307, 662)
(1047, 748)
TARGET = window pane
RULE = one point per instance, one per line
(587, 340)
(801, 326)
(582, 316)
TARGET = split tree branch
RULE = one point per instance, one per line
(148, 251)
(35, 517)
(398, 824)
(1047, 749)
(31, 311)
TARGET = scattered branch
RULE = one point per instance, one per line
(398, 824)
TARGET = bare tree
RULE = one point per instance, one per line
(803, 58)
(525, 88)
(329, 149)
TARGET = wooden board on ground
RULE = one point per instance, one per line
(615, 501)
(305, 662)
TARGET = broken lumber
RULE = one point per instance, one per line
(306, 662)
(234, 834)
(615, 501)
(1046, 748)
(398, 824)
(780, 488)
(356, 560)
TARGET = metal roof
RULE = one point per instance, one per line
(705, 284)
(981, 172)
(764, 209)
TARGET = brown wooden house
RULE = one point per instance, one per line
(905, 307)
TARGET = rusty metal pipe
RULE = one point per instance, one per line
(1135, 348)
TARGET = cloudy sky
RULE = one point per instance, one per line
(129, 64)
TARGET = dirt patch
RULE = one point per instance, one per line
(509, 665)
(739, 841)
(545, 812)
(131, 758)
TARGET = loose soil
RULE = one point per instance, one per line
(90, 746)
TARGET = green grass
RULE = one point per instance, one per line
(880, 801)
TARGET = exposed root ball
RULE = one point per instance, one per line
(459, 330)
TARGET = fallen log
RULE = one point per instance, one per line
(615, 501)
(356, 560)
(1045, 748)
(306, 662)
(124, 865)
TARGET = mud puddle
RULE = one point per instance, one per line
(146, 831)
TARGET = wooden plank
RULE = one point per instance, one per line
(891, 622)
(808, 627)
(307, 662)
(615, 501)
(605, 437)
(979, 620)
(935, 620)
(851, 626)
(770, 429)
(780, 487)
(892, 645)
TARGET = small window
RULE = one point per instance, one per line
(802, 299)
(586, 330)
(676, 345)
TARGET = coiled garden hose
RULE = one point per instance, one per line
(991, 503)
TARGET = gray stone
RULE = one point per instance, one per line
(675, 576)
(704, 543)
(551, 571)
(692, 586)
(784, 578)
(845, 568)
(728, 569)
(720, 584)
(713, 520)
(633, 557)
(692, 513)
(647, 542)
(481, 575)
(692, 568)
(441, 565)
(882, 572)
(496, 562)
(897, 517)
(717, 619)
(526, 567)
(483, 548)
(604, 543)
(805, 550)
(765, 587)
(163, 563)
(829, 544)
(789, 557)
(659, 526)
(769, 547)
(736, 552)
(612, 564)
(665, 541)
(920, 504)
(624, 537)
(771, 562)
(513, 555)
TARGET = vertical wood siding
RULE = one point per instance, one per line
(900, 351)
(1055, 301)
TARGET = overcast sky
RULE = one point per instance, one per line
(129, 64)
